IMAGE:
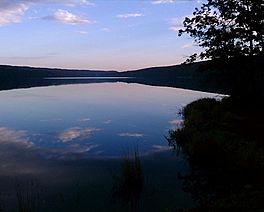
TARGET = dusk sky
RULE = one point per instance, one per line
(96, 34)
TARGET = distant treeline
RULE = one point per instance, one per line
(194, 76)
(12, 77)
(219, 77)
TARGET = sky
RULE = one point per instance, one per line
(96, 34)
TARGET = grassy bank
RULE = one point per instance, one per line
(223, 141)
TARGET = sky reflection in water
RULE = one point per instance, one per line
(68, 139)
(90, 120)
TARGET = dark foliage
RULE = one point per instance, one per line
(223, 141)
(227, 132)
(227, 28)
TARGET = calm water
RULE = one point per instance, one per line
(68, 141)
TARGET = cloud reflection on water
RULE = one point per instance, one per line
(17, 137)
(70, 152)
(176, 123)
(107, 121)
(57, 118)
(127, 134)
(24, 146)
(74, 133)
(84, 119)
(160, 148)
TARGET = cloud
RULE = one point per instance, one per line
(173, 1)
(127, 134)
(14, 137)
(11, 11)
(163, 2)
(187, 46)
(175, 28)
(75, 132)
(87, 3)
(66, 17)
(73, 3)
(106, 29)
(177, 24)
(129, 15)
(83, 32)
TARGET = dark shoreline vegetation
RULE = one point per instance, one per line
(223, 142)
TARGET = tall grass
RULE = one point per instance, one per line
(28, 196)
(128, 184)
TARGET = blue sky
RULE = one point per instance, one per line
(95, 34)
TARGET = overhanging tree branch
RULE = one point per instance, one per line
(227, 28)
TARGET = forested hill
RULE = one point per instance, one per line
(24, 72)
(197, 76)
(12, 77)
(190, 76)
(236, 75)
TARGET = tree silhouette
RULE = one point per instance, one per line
(227, 28)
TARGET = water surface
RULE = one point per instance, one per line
(69, 135)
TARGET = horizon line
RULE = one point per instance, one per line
(79, 69)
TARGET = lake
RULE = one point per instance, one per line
(62, 145)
